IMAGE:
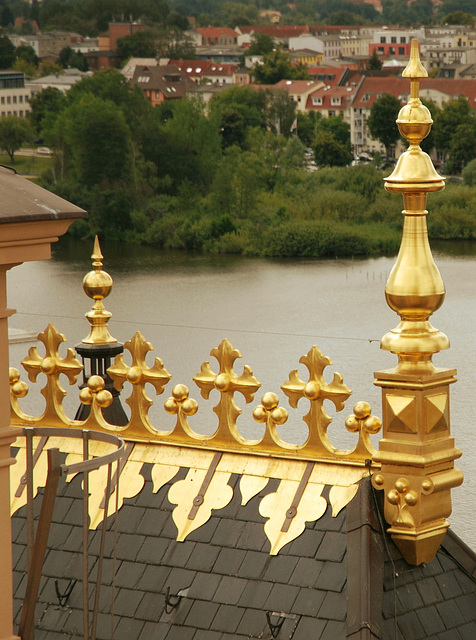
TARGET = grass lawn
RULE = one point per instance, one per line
(29, 165)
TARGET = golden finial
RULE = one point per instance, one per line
(415, 288)
(417, 452)
(97, 284)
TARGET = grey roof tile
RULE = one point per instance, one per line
(254, 564)
(201, 614)
(252, 537)
(208, 635)
(252, 623)
(151, 523)
(308, 571)
(332, 547)
(204, 586)
(255, 594)
(178, 553)
(227, 618)
(449, 613)
(332, 576)
(180, 633)
(229, 561)
(228, 532)
(151, 551)
(430, 620)
(154, 578)
(169, 530)
(128, 546)
(128, 628)
(127, 601)
(334, 606)
(449, 586)
(179, 579)
(429, 591)
(306, 544)
(409, 597)
(281, 598)
(59, 534)
(151, 607)
(281, 568)
(155, 631)
(335, 630)
(230, 589)
(129, 574)
(468, 631)
(467, 606)
(468, 585)
(203, 557)
(309, 628)
(177, 616)
(204, 533)
(130, 516)
(410, 626)
(18, 528)
(308, 602)
(452, 634)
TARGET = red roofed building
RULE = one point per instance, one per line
(280, 34)
(440, 90)
(210, 36)
(331, 101)
(161, 83)
(299, 90)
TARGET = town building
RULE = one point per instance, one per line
(61, 81)
(161, 84)
(15, 94)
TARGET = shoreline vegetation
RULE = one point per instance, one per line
(224, 178)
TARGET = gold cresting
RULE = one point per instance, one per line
(97, 284)
(416, 452)
(226, 381)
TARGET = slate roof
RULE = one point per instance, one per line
(340, 579)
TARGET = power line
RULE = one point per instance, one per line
(227, 330)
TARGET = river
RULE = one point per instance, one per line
(273, 311)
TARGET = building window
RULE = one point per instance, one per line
(14, 99)
(403, 40)
(393, 40)
(401, 51)
(9, 100)
(3, 99)
(20, 99)
(21, 114)
(383, 40)
(366, 97)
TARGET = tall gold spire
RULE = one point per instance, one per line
(417, 452)
(97, 284)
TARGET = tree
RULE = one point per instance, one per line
(447, 121)
(7, 52)
(375, 64)
(281, 111)
(459, 17)
(239, 108)
(27, 53)
(142, 44)
(98, 141)
(72, 59)
(14, 133)
(463, 147)
(332, 142)
(49, 101)
(381, 122)
(261, 44)
(277, 66)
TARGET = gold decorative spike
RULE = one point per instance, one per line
(417, 452)
(18, 389)
(99, 398)
(363, 423)
(271, 414)
(52, 365)
(227, 383)
(275, 507)
(250, 486)
(197, 495)
(316, 390)
(139, 374)
(97, 284)
(339, 497)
